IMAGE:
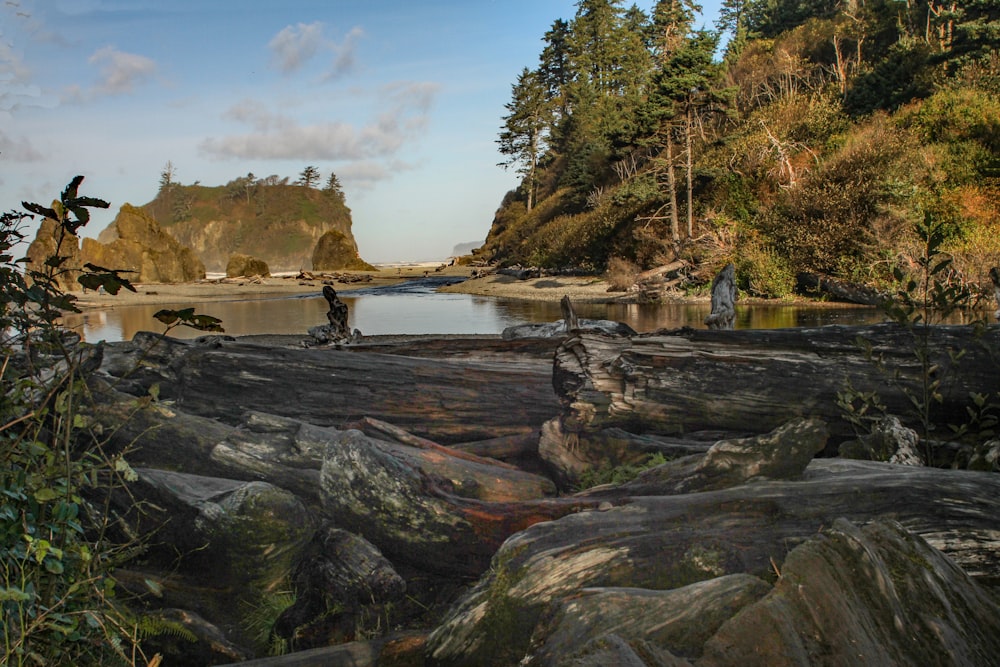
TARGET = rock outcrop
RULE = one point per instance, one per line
(47, 244)
(276, 222)
(336, 251)
(244, 265)
(135, 242)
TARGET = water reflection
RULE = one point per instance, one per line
(440, 313)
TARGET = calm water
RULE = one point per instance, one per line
(418, 309)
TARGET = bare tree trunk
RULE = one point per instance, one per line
(672, 185)
(690, 169)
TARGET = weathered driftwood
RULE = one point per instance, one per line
(691, 380)
(669, 270)
(337, 315)
(723, 315)
(570, 319)
(386, 431)
(446, 400)
(337, 331)
(851, 595)
(339, 578)
(369, 487)
(781, 454)
(666, 542)
(289, 453)
(503, 448)
(840, 290)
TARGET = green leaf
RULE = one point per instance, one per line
(168, 317)
(46, 494)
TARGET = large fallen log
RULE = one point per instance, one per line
(446, 400)
(754, 380)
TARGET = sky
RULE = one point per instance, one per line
(402, 99)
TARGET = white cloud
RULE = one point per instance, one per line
(17, 150)
(344, 54)
(12, 68)
(369, 147)
(295, 45)
(121, 71)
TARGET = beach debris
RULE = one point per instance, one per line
(337, 331)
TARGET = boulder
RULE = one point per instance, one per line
(244, 265)
(47, 244)
(335, 251)
(135, 242)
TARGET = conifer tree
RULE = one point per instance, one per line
(309, 177)
(523, 136)
(333, 187)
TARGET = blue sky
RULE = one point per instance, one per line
(402, 99)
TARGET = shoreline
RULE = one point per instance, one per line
(580, 289)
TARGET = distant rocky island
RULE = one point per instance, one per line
(270, 219)
(188, 230)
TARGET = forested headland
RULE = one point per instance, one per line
(821, 138)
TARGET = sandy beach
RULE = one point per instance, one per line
(580, 289)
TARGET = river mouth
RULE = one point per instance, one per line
(417, 308)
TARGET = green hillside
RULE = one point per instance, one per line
(814, 142)
(269, 218)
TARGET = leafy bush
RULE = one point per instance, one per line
(621, 274)
(57, 550)
(760, 271)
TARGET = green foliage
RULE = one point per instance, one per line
(56, 590)
(927, 294)
(188, 318)
(57, 546)
(823, 131)
(763, 272)
(618, 474)
(259, 620)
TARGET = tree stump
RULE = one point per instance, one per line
(723, 299)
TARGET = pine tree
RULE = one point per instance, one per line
(333, 187)
(594, 45)
(672, 20)
(554, 66)
(309, 177)
(523, 136)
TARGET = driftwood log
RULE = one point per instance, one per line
(658, 543)
(840, 290)
(468, 397)
(755, 380)
(659, 567)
